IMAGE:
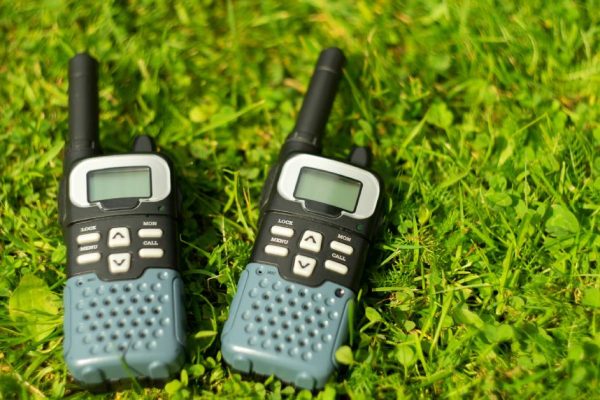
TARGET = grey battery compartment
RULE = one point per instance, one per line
(124, 329)
(285, 328)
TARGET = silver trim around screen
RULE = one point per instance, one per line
(369, 195)
(160, 175)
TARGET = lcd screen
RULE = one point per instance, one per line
(328, 188)
(118, 183)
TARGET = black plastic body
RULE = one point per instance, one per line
(291, 297)
(306, 138)
(359, 233)
(84, 144)
(162, 214)
(127, 323)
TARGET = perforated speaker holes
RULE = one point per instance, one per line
(286, 319)
(119, 317)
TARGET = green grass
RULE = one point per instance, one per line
(484, 118)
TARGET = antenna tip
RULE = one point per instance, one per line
(81, 64)
(332, 60)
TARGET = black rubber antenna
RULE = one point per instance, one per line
(83, 109)
(310, 126)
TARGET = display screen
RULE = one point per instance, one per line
(118, 183)
(326, 187)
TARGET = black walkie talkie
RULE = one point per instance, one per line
(318, 219)
(123, 297)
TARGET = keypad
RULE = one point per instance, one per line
(119, 241)
(309, 242)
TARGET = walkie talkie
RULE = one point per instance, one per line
(124, 315)
(318, 219)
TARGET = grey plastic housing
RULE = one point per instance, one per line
(124, 329)
(285, 328)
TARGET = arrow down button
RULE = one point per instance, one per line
(119, 263)
(304, 266)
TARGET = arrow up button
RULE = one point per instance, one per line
(311, 241)
(304, 266)
(118, 237)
